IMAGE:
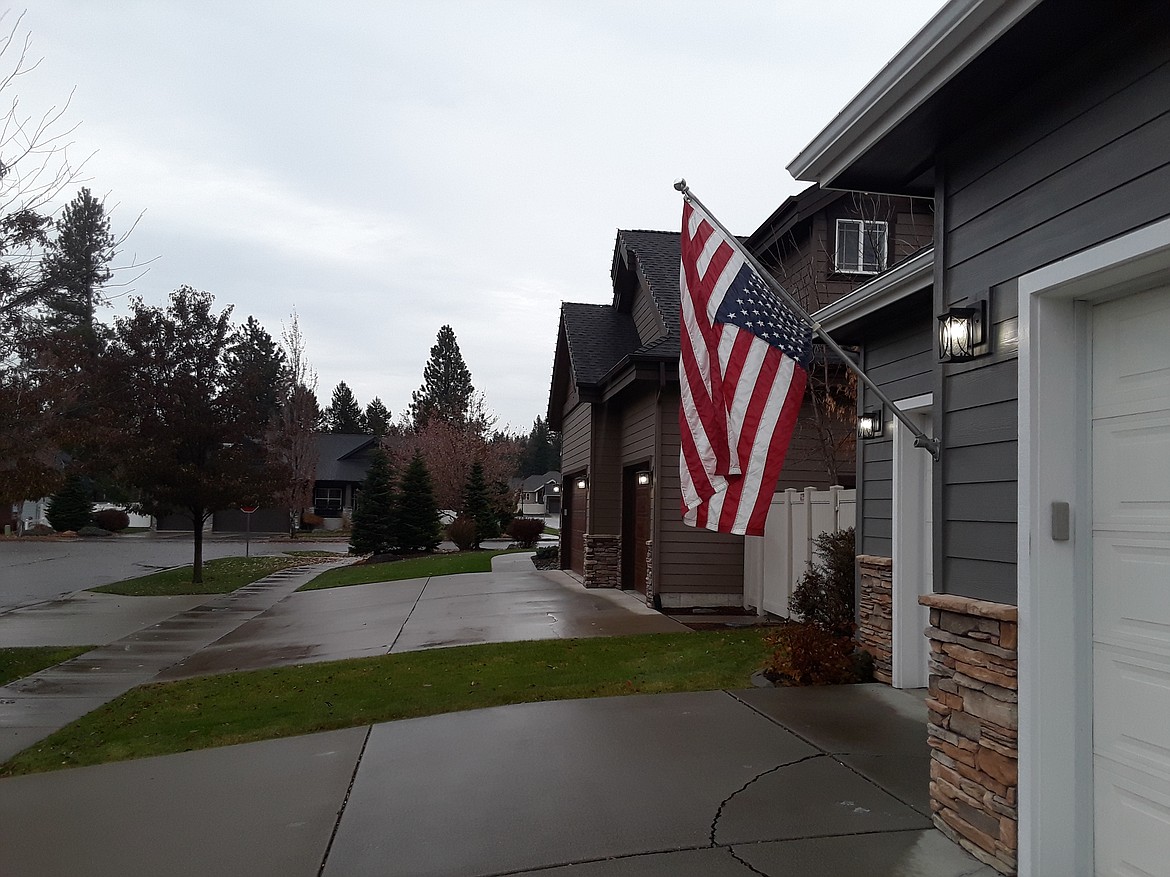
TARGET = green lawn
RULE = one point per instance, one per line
(16, 663)
(219, 577)
(411, 568)
(240, 707)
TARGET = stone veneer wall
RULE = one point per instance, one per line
(603, 561)
(650, 573)
(875, 613)
(973, 725)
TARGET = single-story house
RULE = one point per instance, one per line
(1034, 346)
(342, 463)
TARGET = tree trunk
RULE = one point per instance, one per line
(197, 564)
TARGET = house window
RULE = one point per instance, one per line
(861, 246)
(327, 499)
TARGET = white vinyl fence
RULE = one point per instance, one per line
(775, 562)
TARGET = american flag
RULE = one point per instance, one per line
(742, 372)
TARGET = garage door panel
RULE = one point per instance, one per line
(1131, 356)
(1129, 456)
(1124, 795)
(1131, 593)
(1132, 694)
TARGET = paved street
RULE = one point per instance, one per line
(32, 570)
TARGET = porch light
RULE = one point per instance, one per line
(582, 482)
(960, 331)
(643, 478)
(556, 488)
(871, 424)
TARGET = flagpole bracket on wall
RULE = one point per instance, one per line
(929, 444)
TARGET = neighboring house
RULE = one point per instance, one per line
(538, 495)
(342, 463)
(1041, 129)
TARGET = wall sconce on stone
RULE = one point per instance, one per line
(643, 478)
(960, 331)
(871, 424)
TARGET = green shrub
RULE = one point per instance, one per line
(70, 508)
(525, 531)
(462, 531)
(548, 552)
(114, 520)
(824, 595)
(91, 530)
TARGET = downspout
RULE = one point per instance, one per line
(655, 506)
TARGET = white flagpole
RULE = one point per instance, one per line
(921, 439)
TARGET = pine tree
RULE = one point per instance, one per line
(377, 418)
(75, 266)
(374, 519)
(70, 508)
(417, 515)
(257, 369)
(446, 392)
(477, 504)
(344, 415)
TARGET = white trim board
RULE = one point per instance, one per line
(912, 546)
(1054, 578)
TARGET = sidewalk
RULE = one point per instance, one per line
(804, 782)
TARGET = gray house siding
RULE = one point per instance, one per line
(1077, 160)
(902, 363)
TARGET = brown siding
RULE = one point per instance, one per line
(575, 438)
(647, 320)
(688, 560)
(638, 426)
(605, 472)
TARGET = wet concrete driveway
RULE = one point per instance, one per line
(513, 602)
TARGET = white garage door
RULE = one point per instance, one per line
(1131, 584)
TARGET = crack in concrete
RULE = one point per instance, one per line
(747, 785)
(406, 620)
(345, 801)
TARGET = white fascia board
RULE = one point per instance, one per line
(900, 281)
(958, 34)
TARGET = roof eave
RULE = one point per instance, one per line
(958, 34)
(910, 276)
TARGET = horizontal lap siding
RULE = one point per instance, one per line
(647, 320)
(1077, 160)
(900, 360)
(575, 439)
(637, 411)
(688, 560)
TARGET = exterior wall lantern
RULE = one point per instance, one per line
(556, 488)
(643, 478)
(582, 482)
(871, 424)
(961, 330)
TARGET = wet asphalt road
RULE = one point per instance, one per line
(32, 571)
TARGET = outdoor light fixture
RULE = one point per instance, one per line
(556, 488)
(871, 424)
(582, 482)
(643, 478)
(960, 331)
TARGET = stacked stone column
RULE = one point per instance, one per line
(875, 613)
(603, 561)
(973, 725)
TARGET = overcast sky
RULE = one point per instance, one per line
(385, 168)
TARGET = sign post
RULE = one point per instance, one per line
(247, 510)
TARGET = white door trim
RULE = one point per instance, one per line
(1054, 578)
(912, 546)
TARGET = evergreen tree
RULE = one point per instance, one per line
(446, 392)
(257, 367)
(542, 452)
(70, 508)
(417, 514)
(377, 418)
(374, 520)
(76, 266)
(344, 415)
(477, 504)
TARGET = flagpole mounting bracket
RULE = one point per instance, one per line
(929, 444)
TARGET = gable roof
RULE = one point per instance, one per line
(535, 482)
(340, 457)
(653, 257)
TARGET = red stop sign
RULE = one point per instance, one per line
(248, 509)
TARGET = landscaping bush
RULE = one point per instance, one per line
(39, 530)
(462, 531)
(824, 595)
(114, 520)
(807, 654)
(310, 521)
(70, 508)
(547, 557)
(91, 530)
(525, 531)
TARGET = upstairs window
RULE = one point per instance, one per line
(861, 246)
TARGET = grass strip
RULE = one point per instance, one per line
(165, 718)
(219, 577)
(410, 568)
(18, 662)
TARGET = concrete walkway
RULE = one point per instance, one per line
(719, 784)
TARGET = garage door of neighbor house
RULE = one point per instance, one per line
(578, 503)
(1131, 583)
